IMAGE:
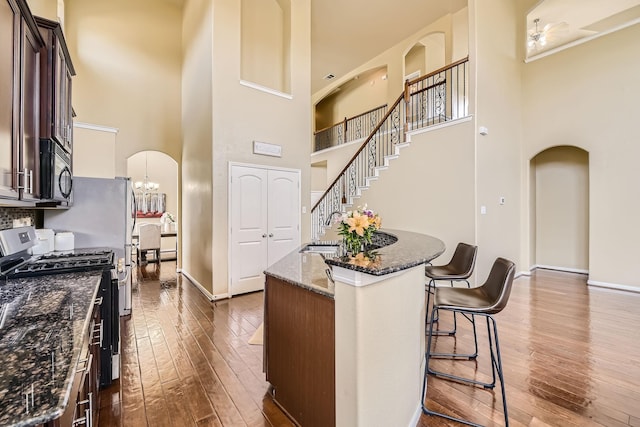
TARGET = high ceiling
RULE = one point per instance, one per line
(346, 34)
(564, 21)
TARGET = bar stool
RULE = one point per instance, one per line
(459, 269)
(485, 300)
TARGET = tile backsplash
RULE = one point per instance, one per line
(7, 215)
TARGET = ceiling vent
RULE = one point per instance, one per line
(329, 77)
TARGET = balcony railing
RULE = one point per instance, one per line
(438, 97)
(435, 98)
(350, 129)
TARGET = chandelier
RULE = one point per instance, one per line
(537, 38)
(146, 186)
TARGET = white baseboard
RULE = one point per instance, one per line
(615, 286)
(557, 268)
(197, 284)
(416, 417)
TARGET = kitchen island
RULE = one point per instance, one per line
(345, 347)
(47, 328)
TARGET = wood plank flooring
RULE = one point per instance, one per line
(571, 356)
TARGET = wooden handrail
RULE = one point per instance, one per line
(438, 71)
(433, 86)
(350, 118)
(362, 147)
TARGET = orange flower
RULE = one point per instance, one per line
(358, 223)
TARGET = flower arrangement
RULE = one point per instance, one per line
(167, 218)
(357, 227)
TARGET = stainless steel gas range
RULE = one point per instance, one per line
(16, 262)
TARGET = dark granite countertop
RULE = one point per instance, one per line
(395, 250)
(42, 325)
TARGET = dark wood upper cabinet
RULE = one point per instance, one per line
(55, 90)
(20, 46)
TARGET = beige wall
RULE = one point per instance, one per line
(496, 104)
(562, 208)
(265, 43)
(239, 118)
(221, 120)
(127, 57)
(94, 152)
(587, 96)
(430, 187)
(355, 97)
(392, 60)
(197, 150)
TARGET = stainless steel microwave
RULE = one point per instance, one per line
(55, 172)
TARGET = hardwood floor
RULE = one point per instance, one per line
(570, 355)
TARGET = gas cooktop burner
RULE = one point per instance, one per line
(65, 262)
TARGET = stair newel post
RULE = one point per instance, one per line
(344, 127)
(407, 100)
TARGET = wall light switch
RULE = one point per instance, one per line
(483, 210)
(304, 209)
(501, 200)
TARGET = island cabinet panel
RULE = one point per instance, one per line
(299, 352)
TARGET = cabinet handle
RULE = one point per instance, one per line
(24, 180)
(98, 301)
(99, 331)
(88, 413)
(88, 361)
(270, 234)
(264, 235)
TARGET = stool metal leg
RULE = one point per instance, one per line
(496, 368)
(431, 289)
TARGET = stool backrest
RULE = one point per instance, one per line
(464, 259)
(498, 284)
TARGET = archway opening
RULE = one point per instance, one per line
(155, 179)
(560, 209)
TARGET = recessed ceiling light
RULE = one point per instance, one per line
(329, 77)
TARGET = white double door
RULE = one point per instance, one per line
(264, 222)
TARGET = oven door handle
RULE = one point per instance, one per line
(68, 193)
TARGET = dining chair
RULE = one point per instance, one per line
(485, 300)
(458, 269)
(149, 238)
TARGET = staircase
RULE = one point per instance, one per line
(436, 98)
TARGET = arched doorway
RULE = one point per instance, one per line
(425, 56)
(560, 209)
(156, 174)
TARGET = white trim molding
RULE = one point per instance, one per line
(266, 89)
(201, 288)
(557, 268)
(99, 128)
(615, 286)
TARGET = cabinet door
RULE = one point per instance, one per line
(9, 97)
(30, 88)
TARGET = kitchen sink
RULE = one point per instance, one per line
(328, 248)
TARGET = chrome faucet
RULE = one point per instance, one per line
(331, 216)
